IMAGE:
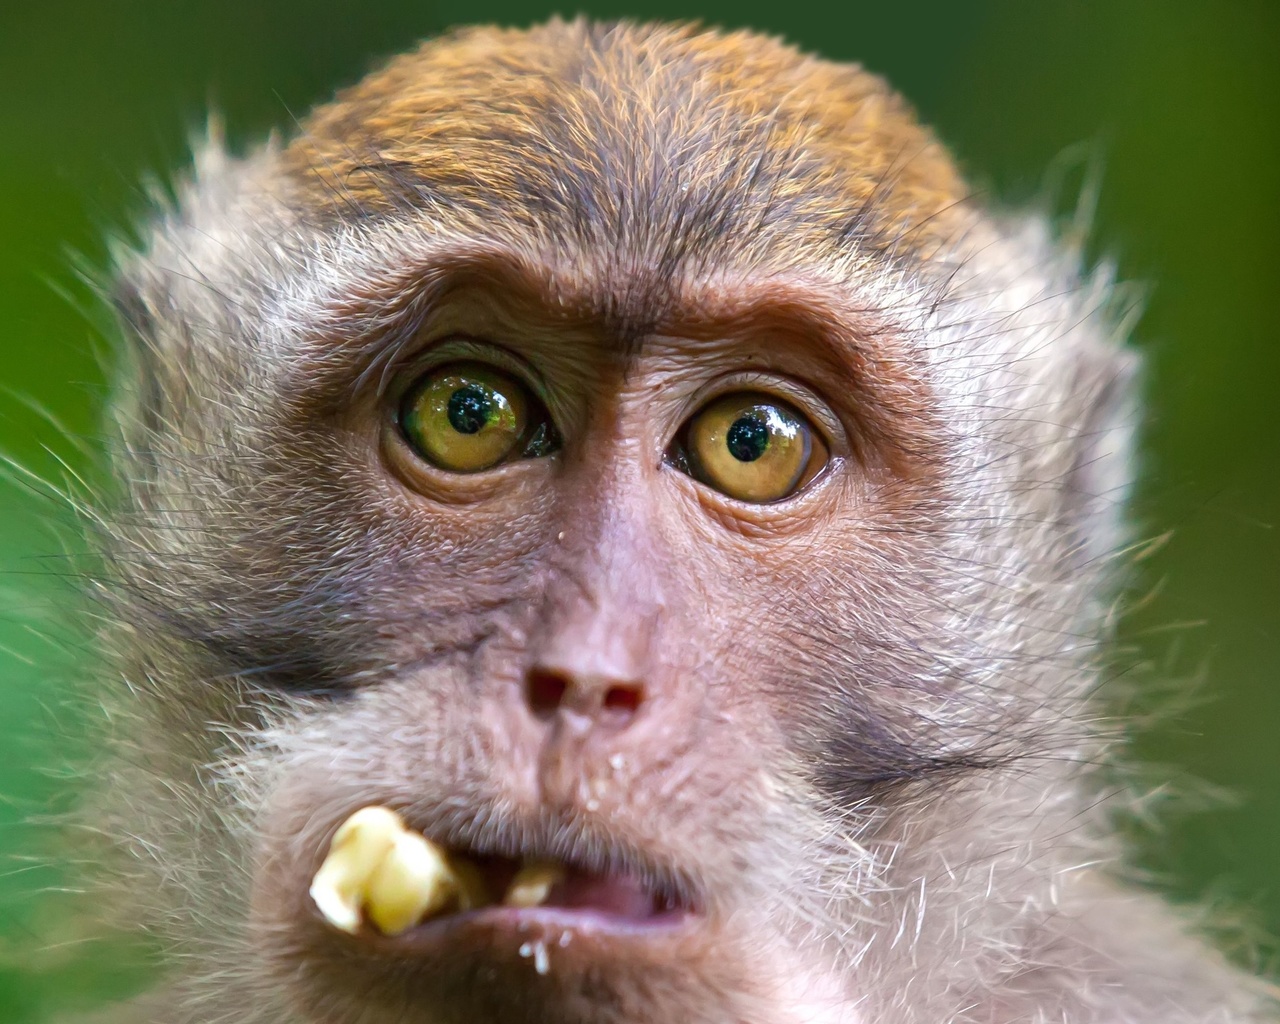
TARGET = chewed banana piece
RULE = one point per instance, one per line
(532, 885)
(412, 882)
(378, 866)
(357, 848)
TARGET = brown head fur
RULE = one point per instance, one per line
(607, 134)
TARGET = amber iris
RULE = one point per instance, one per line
(753, 447)
(469, 417)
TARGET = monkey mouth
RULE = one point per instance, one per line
(552, 886)
(381, 877)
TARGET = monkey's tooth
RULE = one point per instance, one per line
(472, 890)
(358, 847)
(413, 881)
(532, 885)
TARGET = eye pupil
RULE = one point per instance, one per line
(470, 408)
(747, 439)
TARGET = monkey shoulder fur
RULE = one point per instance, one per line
(614, 533)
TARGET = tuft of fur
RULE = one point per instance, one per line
(921, 830)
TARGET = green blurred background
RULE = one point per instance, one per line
(1175, 104)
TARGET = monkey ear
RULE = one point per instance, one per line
(1100, 476)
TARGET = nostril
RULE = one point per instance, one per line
(623, 701)
(546, 691)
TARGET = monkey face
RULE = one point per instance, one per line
(574, 642)
(666, 484)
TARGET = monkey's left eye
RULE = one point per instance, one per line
(469, 417)
(750, 446)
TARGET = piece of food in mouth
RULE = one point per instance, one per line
(379, 869)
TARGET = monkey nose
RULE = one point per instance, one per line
(593, 701)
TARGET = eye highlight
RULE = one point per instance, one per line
(469, 417)
(752, 447)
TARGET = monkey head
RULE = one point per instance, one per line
(631, 459)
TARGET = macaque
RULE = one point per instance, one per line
(613, 532)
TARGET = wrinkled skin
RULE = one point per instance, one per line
(846, 738)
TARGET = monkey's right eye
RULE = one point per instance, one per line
(469, 417)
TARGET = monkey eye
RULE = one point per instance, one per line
(750, 446)
(469, 417)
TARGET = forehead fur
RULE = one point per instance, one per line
(668, 144)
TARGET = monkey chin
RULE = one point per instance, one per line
(601, 948)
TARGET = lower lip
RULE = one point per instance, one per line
(558, 925)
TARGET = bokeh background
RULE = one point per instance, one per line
(1171, 108)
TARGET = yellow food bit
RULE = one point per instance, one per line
(378, 867)
(532, 885)
(412, 882)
